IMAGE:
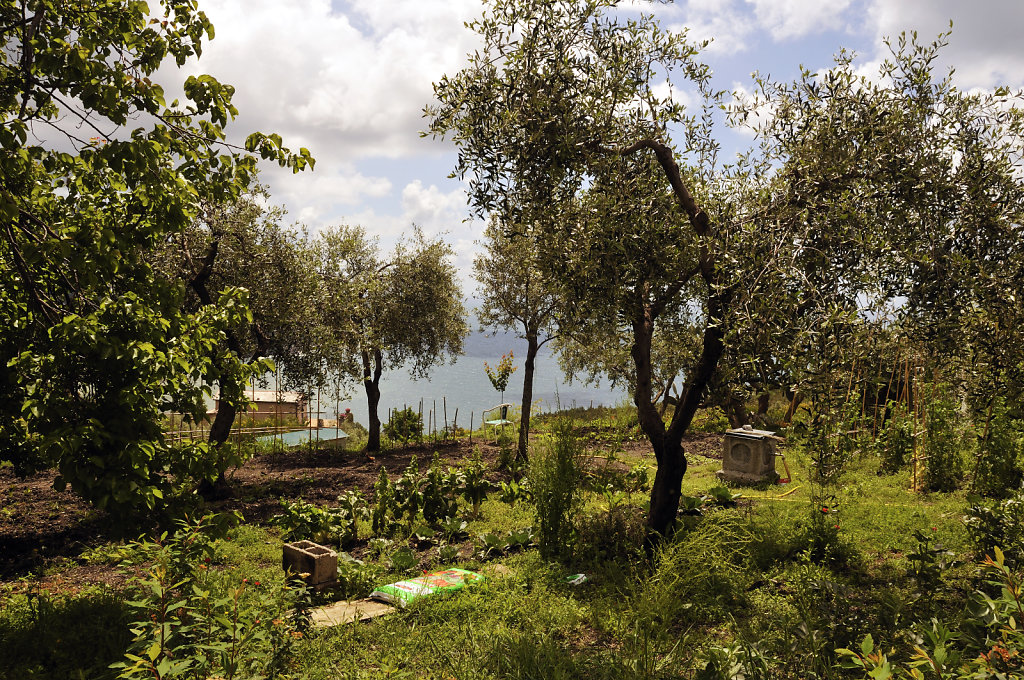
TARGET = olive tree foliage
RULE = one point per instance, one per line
(403, 309)
(243, 244)
(568, 109)
(928, 182)
(515, 296)
(96, 170)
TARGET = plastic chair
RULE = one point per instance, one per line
(502, 419)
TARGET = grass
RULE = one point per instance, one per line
(743, 585)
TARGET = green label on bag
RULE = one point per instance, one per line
(403, 592)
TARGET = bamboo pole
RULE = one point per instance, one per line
(471, 428)
(444, 403)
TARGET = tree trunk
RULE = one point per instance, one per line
(524, 419)
(371, 381)
(667, 443)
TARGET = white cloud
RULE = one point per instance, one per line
(350, 83)
(787, 19)
(985, 47)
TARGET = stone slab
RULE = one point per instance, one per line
(345, 612)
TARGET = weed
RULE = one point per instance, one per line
(556, 473)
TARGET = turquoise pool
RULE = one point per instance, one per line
(296, 437)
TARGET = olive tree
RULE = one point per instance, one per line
(568, 109)
(96, 170)
(401, 310)
(514, 295)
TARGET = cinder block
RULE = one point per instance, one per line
(307, 557)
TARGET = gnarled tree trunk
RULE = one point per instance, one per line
(371, 382)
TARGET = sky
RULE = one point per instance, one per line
(349, 79)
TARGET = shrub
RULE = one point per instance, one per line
(990, 644)
(896, 440)
(405, 424)
(942, 443)
(998, 472)
(195, 622)
(556, 476)
(990, 525)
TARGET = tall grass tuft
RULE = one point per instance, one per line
(556, 476)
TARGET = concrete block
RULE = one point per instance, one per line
(307, 557)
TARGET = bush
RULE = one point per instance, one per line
(991, 525)
(896, 440)
(405, 424)
(990, 644)
(942, 443)
(998, 471)
(302, 520)
(195, 622)
(556, 476)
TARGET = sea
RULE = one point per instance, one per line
(459, 391)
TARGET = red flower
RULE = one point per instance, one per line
(824, 510)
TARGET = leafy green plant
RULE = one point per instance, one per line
(519, 539)
(475, 487)
(447, 553)
(928, 560)
(490, 545)
(405, 424)
(990, 646)
(355, 577)
(441, 491)
(408, 496)
(197, 623)
(998, 470)
(513, 491)
(382, 516)
(302, 520)
(895, 443)
(990, 525)
(453, 527)
(403, 560)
